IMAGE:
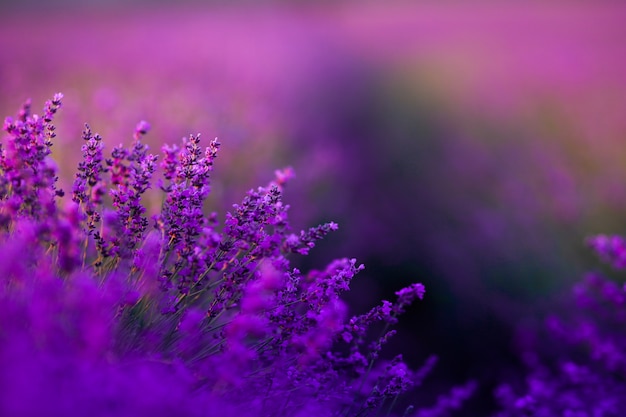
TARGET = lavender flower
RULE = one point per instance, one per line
(100, 308)
(612, 249)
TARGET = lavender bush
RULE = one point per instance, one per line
(579, 367)
(106, 311)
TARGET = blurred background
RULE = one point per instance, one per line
(471, 147)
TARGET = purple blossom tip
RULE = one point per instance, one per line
(284, 175)
(408, 294)
(56, 99)
(142, 127)
(611, 249)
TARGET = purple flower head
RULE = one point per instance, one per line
(284, 175)
(141, 129)
(612, 249)
(118, 168)
(170, 161)
(407, 295)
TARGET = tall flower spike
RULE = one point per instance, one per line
(50, 110)
(132, 181)
(182, 220)
(89, 186)
(27, 173)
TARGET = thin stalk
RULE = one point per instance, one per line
(393, 403)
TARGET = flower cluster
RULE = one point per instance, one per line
(612, 249)
(585, 374)
(107, 312)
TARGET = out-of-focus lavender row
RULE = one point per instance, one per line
(472, 146)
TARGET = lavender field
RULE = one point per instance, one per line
(298, 209)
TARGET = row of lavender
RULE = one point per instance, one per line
(106, 311)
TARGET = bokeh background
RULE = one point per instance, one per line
(471, 146)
